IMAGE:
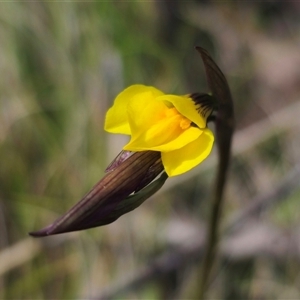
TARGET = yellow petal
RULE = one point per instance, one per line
(182, 160)
(156, 127)
(157, 140)
(143, 112)
(186, 106)
(116, 120)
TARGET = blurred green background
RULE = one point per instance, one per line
(62, 64)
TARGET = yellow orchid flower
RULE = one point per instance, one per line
(170, 124)
(169, 136)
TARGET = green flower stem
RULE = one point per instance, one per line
(224, 130)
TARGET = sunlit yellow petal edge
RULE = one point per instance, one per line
(116, 120)
(184, 159)
(177, 142)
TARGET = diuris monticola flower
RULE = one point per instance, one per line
(172, 125)
(169, 136)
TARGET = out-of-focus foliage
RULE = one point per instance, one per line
(62, 64)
